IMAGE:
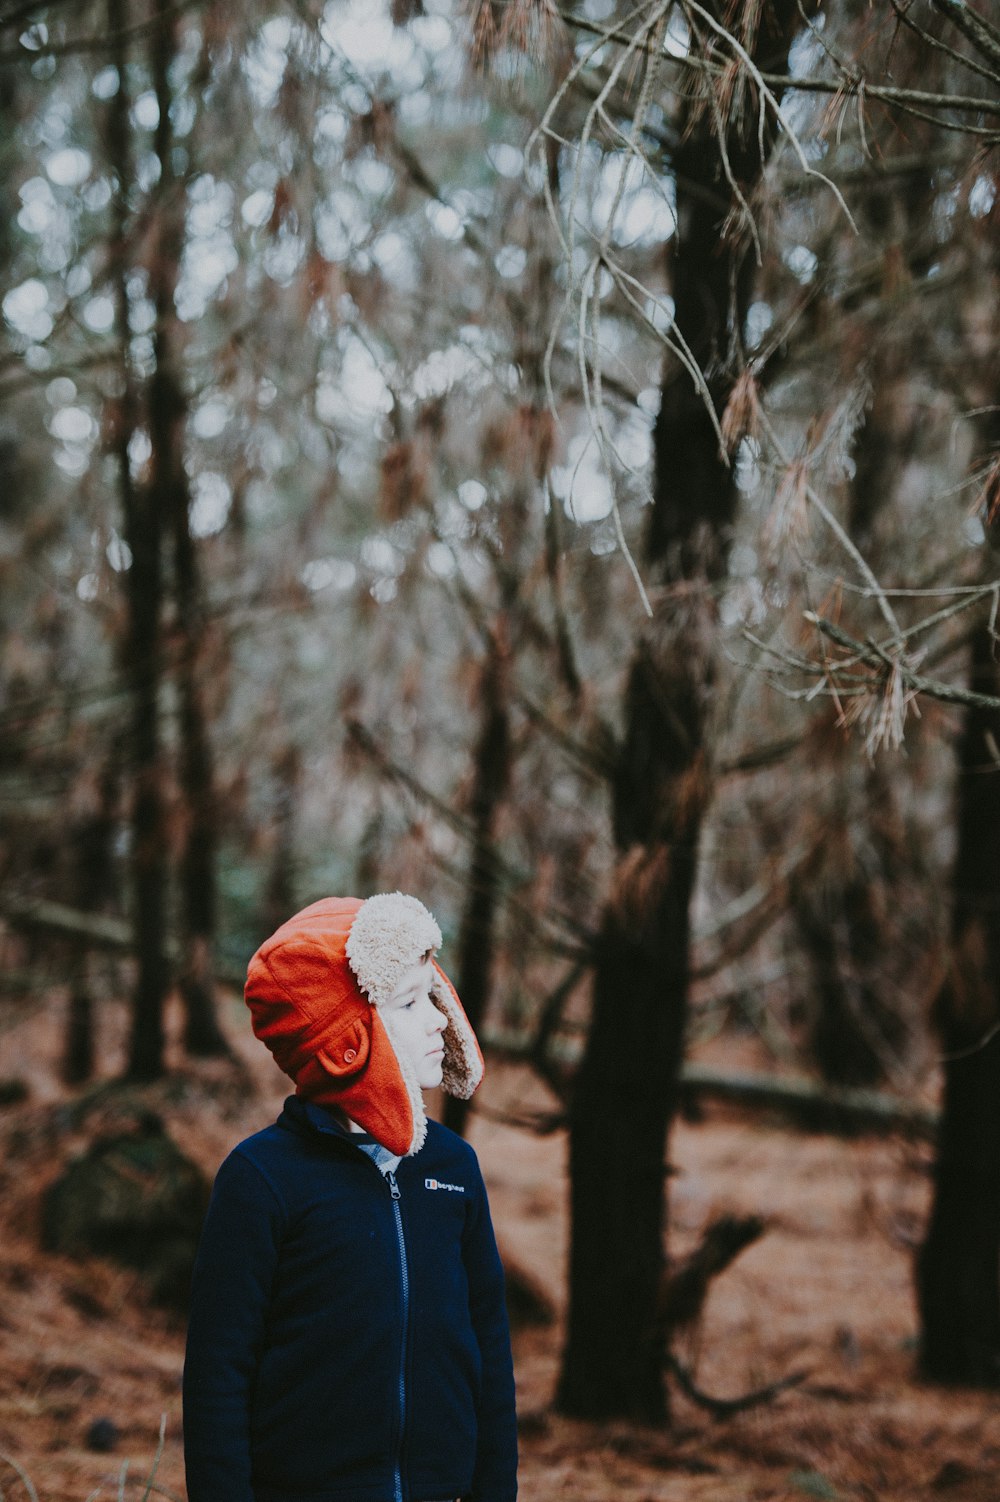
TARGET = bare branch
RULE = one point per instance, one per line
(884, 93)
(81, 45)
(726, 1407)
(980, 32)
(875, 656)
(512, 876)
(841, 535)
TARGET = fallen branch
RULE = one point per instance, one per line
(807, 1104)
(811, 1105)
(685, 1287)
(93, 930)
(723, 1408)
(682, 1301)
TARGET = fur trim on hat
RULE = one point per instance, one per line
(390, 933)
(462, 1066)
(317, 991)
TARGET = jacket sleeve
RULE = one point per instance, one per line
(495, 1477)
(231, 1292)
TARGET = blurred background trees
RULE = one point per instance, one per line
(541, 459)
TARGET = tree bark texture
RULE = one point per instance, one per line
(197, 897)
(626, 1091)
(958, 1269)
(846, 914)
(142, 527)
(279, 891)
(477, 934)
(91, 840)
(847, 906)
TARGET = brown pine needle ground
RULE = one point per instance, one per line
(827, 1288)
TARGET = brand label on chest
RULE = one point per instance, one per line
(439, 1184)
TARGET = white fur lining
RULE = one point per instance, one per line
(462, 1067)
(390, 933)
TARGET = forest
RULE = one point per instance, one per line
(543, 457)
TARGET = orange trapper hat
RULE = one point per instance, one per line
(317, 990)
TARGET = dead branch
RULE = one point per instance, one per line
(758, 758)
(685, 1288)
(983, 35)
(596, 756)
(723, 1408)
(682, 1301)
(511, 876)
(876, 656)
(856, 84)
(92, 930)
(811, 1106)
(805, 1104)
(756, 909)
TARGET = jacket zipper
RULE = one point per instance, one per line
(404, 1279)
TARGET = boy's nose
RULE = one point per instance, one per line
(439, 1022)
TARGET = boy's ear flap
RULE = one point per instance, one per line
(374, 1093)
(463, 1067)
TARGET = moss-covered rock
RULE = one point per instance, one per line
(136, 1199)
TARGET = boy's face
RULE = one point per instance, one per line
(417, 1024)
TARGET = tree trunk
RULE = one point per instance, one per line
(197, 897)
(626, 1092)
(279, 893)
(93, 879)
(958, 1269)
(848, 907)
(477, 937)
(847, 920)
(142, 527)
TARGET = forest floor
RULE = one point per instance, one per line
(827, 1290)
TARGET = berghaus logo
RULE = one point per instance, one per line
(439, 1184)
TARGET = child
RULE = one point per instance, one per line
(348, 1338)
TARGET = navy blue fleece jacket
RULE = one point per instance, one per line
(348, 1336)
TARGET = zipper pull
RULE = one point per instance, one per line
(393, 1186)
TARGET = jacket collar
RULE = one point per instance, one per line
(309, 1119)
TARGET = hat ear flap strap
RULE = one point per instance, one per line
(382, 1096)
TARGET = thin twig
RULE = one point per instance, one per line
(80, 45)
(22, 1474)
(875, 656)
(156, 1458)
(839, 532)
(885, 93)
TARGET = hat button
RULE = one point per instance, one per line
(350, 1054)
